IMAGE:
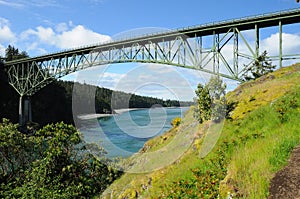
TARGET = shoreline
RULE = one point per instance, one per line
(93, 116)
(100, 115)
(117, 112)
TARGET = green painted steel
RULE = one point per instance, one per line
(280, 44)
(256, 40)
(179, 47)
(183, 47)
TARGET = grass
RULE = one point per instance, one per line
(253, 164)
(241, 159)
(251, 95)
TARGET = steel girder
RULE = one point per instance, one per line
(30, 76)
(199, 48)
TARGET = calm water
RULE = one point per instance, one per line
(126, 133)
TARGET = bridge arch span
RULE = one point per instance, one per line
(182, 48)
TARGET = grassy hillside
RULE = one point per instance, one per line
(244, 151)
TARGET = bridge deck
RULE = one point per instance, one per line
(246, 23)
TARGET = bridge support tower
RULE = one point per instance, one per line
(25, 112)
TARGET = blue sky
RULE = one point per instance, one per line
(40, 27)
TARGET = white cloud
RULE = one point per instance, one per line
(150, 80)
(109, 80)
(45, 35)
(62, 37)
(290, 44)
(97, 75)
(10, 4)
(2, 51)
(6, 35)
(24, 3)
(61, 27)
(39, 40)
(96, 1)
(34, 46)
(80, 36)
(38, 3)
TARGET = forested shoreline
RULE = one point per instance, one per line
(54, 102)
(57, 101)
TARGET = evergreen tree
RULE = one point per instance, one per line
(12, 53)
(261, 66)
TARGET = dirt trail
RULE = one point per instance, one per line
(286, 182)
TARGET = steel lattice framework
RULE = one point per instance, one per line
(185, 47)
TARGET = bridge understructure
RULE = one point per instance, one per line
(200, 48)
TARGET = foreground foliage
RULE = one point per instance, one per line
(54, 163)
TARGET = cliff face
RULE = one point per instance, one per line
(241, 154)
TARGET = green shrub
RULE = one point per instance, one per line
(54, 163)
(176, 121)
(210, 101)
(286, 103)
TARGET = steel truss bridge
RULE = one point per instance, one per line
(198, 47)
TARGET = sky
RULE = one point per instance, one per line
(42, 27)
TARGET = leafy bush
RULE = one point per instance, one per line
(202, 110)
(286, 103)
(54, 163)
(210, 101)
(16, 152)
(176, 121)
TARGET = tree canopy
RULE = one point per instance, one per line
(261, 66)
(12, 53)
(210, 100)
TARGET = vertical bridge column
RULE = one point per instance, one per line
(25, 114)
(27, 109)
(280, 44)
(256, 41)
(21, 120)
